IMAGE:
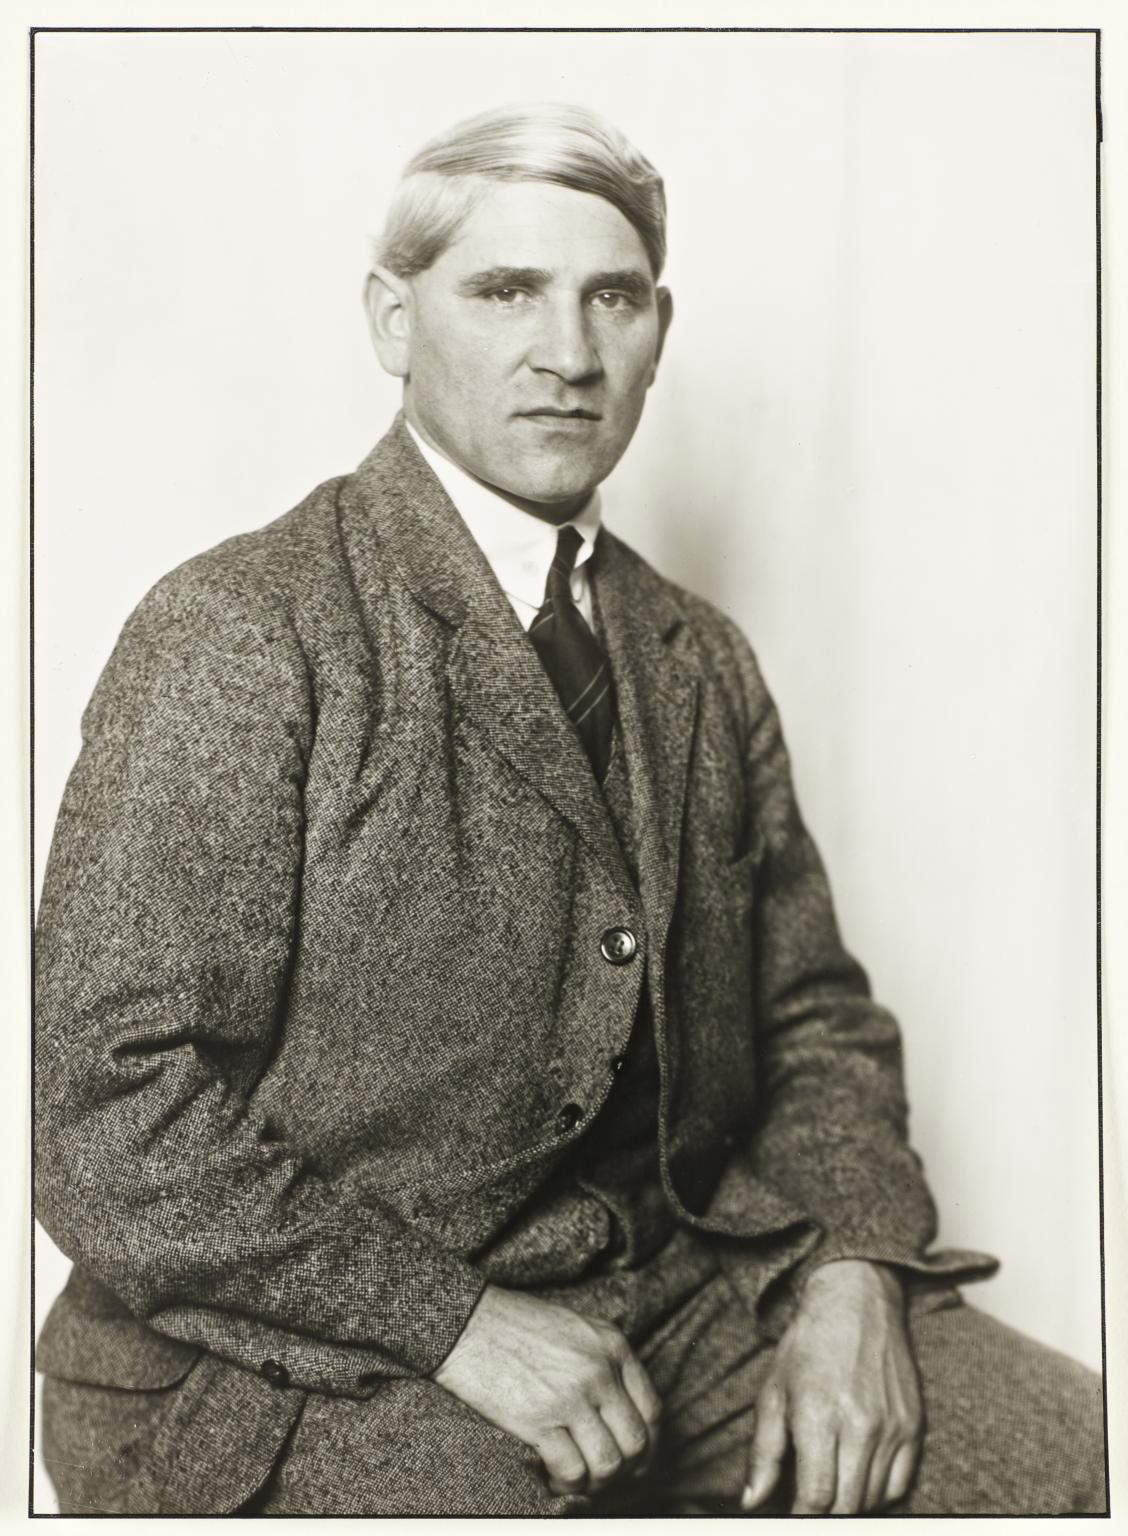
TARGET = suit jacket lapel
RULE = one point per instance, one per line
(403, 512)
(653, 663)
(514, 705)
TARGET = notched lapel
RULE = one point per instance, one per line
(496, 676)
(653, 663)
(509, 699)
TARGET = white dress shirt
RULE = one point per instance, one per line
(518, 545)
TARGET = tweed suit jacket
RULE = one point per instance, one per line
(319, 966)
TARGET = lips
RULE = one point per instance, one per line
(578, 413)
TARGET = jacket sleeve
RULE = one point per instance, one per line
(166, 928)
(832, 1131)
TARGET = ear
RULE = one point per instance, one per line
(664, 300)
(387, 303)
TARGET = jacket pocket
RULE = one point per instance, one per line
(740, 875)
(137, 1423)
(728, 889)
(91, 1337)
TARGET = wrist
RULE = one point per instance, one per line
(481, 1311)
(856, 1275)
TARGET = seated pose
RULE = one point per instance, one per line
(453, 1092)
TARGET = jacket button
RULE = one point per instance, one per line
(275, 1372)
(618, 946)
(569, 1117)
(618, 1064)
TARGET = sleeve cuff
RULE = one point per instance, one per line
(946, 1267)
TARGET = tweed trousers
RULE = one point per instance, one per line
(1011, 1426)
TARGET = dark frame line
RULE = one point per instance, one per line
(1094, 32)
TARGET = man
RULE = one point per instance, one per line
(453, 1091)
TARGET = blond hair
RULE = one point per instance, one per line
(566, 145)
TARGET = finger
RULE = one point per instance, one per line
(855, 1456)
(640, 1390)
(566, 1468)
(901, 1472)
(598, 1448)
(769, 1442)
(878, 1479)
(816, 1467)
(627, 1426)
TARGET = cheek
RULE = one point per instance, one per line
(441, 367)
(630, 395)
(631, 367)
(444, 387)
(465, 377)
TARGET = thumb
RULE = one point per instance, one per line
(769, 1442)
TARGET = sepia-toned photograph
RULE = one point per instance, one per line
(566, 772)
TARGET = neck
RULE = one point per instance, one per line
(554, 512)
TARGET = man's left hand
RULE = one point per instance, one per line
(843, 1390)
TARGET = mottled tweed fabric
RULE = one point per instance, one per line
(321, 997)
(1013, 1428)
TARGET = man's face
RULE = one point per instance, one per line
(531, 343)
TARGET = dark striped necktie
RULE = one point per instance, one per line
(573, 658)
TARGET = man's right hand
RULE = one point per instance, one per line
(569, 1386)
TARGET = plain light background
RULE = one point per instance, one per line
(871, 441)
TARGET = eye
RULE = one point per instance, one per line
(507, 297)
(612, 298)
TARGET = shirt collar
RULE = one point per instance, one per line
(518, 545)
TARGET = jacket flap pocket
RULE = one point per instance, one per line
(103, 1351)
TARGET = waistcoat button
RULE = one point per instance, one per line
(618, 946)
(569, 1117)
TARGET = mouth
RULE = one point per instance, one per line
(555, 413)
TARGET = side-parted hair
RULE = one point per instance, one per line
(566, 145)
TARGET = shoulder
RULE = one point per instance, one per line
(273, 574)
(234, 624)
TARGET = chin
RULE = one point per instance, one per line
(563, 485)
(558, 505)
(557, 492)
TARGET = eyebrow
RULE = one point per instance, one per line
(629, 280)
(505, 277)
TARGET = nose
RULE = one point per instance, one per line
(563, 343)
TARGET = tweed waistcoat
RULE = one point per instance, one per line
(615, 1165)
(617, 1160)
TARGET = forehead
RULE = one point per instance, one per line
(538, 224)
